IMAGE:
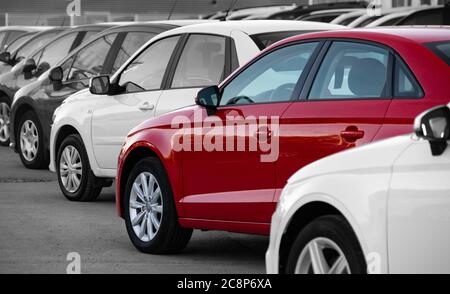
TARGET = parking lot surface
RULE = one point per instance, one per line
(39, 227)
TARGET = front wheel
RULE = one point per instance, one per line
(75, 177)
(5, 112)
(31, 142)
(150, 214)
(326, 246)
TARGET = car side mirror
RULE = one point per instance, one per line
(5, 57)
(99, 85)
(56, 76)
(208, 98)
(433, 125)
(28, 67)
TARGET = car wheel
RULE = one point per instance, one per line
(150, 213)
(5, 112)
(326, 246)
(75, 177)
(31, 143)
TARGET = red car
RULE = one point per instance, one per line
(305, 97)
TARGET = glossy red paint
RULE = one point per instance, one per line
(234, 191)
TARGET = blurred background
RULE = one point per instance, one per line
(55, 12)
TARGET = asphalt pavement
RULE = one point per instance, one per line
(39, 228)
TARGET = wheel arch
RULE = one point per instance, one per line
(17, 111)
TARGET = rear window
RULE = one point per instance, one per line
(442, 49)
(267, 39)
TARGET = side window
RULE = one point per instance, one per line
(33, 44)
(2, 37)
(405, 85)
(18, 42)
(146, 72)
(351, 71)
(12, 36)
(90, 59)
(55, 51)
(132, 42)
(202, 62)
(270, 79)
(88, 35)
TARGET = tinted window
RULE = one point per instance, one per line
(202, 62)
(146, 72)
(267, 39)
(442, 49)
(55, 51)
(18, 42)
(428, 17)
(34, 44)
(349, 20)
(89, 60)
(405, 85)
(132, 42)
(367, 21)
(391, 21)
(351, 70)
(270, 79)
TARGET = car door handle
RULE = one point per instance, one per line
(146, 106)
(351, 134)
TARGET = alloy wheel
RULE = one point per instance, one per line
(70, 169)
(29, 140)
(146, 206)
(322, 256)
(5, 112)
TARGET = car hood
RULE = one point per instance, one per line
(80, 95)
(165, 120)
(375, 157)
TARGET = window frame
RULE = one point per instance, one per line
(408, 73)
(300, 82)
(228, 64)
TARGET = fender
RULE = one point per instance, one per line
(19, 103)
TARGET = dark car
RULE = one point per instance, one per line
(33, 106)
(305, 9)
(33, 59)
(431, 16)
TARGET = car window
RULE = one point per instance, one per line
(33, 44)
(18, 42)
(264, 40)
(405, 85)
(351, 70)
(441, 49)
(132, 42)
(271, 78)
(90, 59)
(55, 51)
(146, 72)
(202, 62)
(2, 37)
(12, 36)
(427, 17)
(89, 34)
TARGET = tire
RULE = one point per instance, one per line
(332, 228)
(170, 237)
(5, 112)
(40, 158)
(89, 186)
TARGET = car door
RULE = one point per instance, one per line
(419, 211)
(238, 183)
(342, 106)
(140, 85)
(204, 61)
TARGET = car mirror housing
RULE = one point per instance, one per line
(56, 76)
(99, 85)
(209, 98)
(433, 125)
(5, 57)
(28, 67)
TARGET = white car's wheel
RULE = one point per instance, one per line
(327, 245)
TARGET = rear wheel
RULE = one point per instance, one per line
(150, 213)
(30, 138)
(5, 112)
(75, 177)
(326, 246)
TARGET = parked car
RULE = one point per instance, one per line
(367, 19)
(33, 105)
(346, 18)
(35, 64)
(10, 33)
(304, 9)
(432, 16)
(381, 208)
(162, 76)
(389, 19)
(327, 15)
(308, 97)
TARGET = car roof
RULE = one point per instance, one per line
(28, 29)
(422, 34)
(253, 27)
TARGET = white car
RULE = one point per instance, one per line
(380, 208)
(165, 74)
